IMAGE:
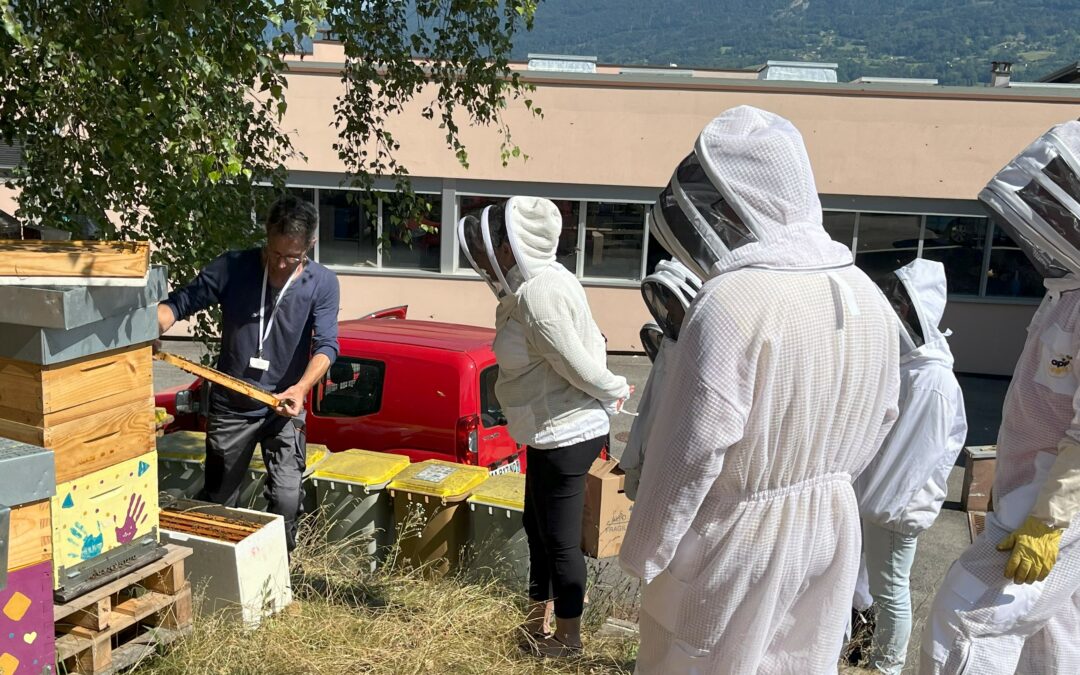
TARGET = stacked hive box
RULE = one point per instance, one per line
(76, 378)
(27, 483)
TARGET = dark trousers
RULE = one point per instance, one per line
(554, 502)
(230, 444)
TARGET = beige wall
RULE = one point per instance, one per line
(596, 133)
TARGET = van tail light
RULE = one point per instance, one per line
(467, 439)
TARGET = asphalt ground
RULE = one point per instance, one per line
(612, 592)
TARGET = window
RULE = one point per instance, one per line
(348, 228)
(841, 226)
(352, 388)
(959, 243)
(414, 243)
(1010, 273)
(886, 242)
(614, 240)
(491, 414)
(565, 253)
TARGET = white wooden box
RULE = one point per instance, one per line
(249, 578)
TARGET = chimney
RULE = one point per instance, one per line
(1000, 73)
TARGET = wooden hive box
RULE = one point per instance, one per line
(102, 511)
(240, 563)
(73, 262)
(27, 483)
(92, 412)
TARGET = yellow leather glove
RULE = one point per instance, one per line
(1034, 548)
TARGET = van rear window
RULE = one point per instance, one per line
(491, 414)
(352, 388)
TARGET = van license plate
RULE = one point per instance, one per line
(509, 467)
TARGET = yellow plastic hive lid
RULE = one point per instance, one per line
(315, 454)
(361, 466)
(505, 490)
(437, 478)
(182, 445)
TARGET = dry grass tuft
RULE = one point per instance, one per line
(348, 619)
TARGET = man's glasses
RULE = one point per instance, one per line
(290, 260)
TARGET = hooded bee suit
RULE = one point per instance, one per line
(782, 386)
(902, 490)
(554, 385)
(668, 293)
(983, 621)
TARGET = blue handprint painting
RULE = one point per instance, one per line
(89, 544)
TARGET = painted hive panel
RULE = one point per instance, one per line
(98, 512)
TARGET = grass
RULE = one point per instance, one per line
(346, 619)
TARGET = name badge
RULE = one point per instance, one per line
(259, 364)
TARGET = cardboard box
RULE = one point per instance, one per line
(979, 464)
(607, 510)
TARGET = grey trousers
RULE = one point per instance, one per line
(230, 444)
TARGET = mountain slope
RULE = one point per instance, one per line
(953, 41)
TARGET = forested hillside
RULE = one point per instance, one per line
(952, 40)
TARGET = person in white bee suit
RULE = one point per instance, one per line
(1011, 602)
(556, 393)
(902, 490)
(668, 292)
(782, 385)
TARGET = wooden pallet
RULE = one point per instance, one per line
(111, 628)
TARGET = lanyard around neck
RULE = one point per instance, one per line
(263, 334)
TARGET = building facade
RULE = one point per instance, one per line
(898, 166)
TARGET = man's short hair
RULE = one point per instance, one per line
(293, 217)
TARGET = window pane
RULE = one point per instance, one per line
(348, 230)
(841, 226)
(414, 243)
(352, 388)
(491, 413)
(614, 240)
(886, 242)
(265, 196)
(1011, 274)
(656, 254)
(470, 206)
(568, 240)
(958, 243)
(566, 253)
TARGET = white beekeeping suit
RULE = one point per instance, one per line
(983, 621)
(668, 293)
(554, 385)
(906, 483)
(783, 384)
(902, 490)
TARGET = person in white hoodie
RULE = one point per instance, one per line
(783, 384)
(556, 392)
(902, 490)
(1011, 602)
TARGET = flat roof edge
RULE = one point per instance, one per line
(1020, 93)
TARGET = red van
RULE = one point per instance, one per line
(418, 388)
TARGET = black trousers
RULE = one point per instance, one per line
(554, 502)
(230, 444)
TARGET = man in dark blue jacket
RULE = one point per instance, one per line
(279, 333)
